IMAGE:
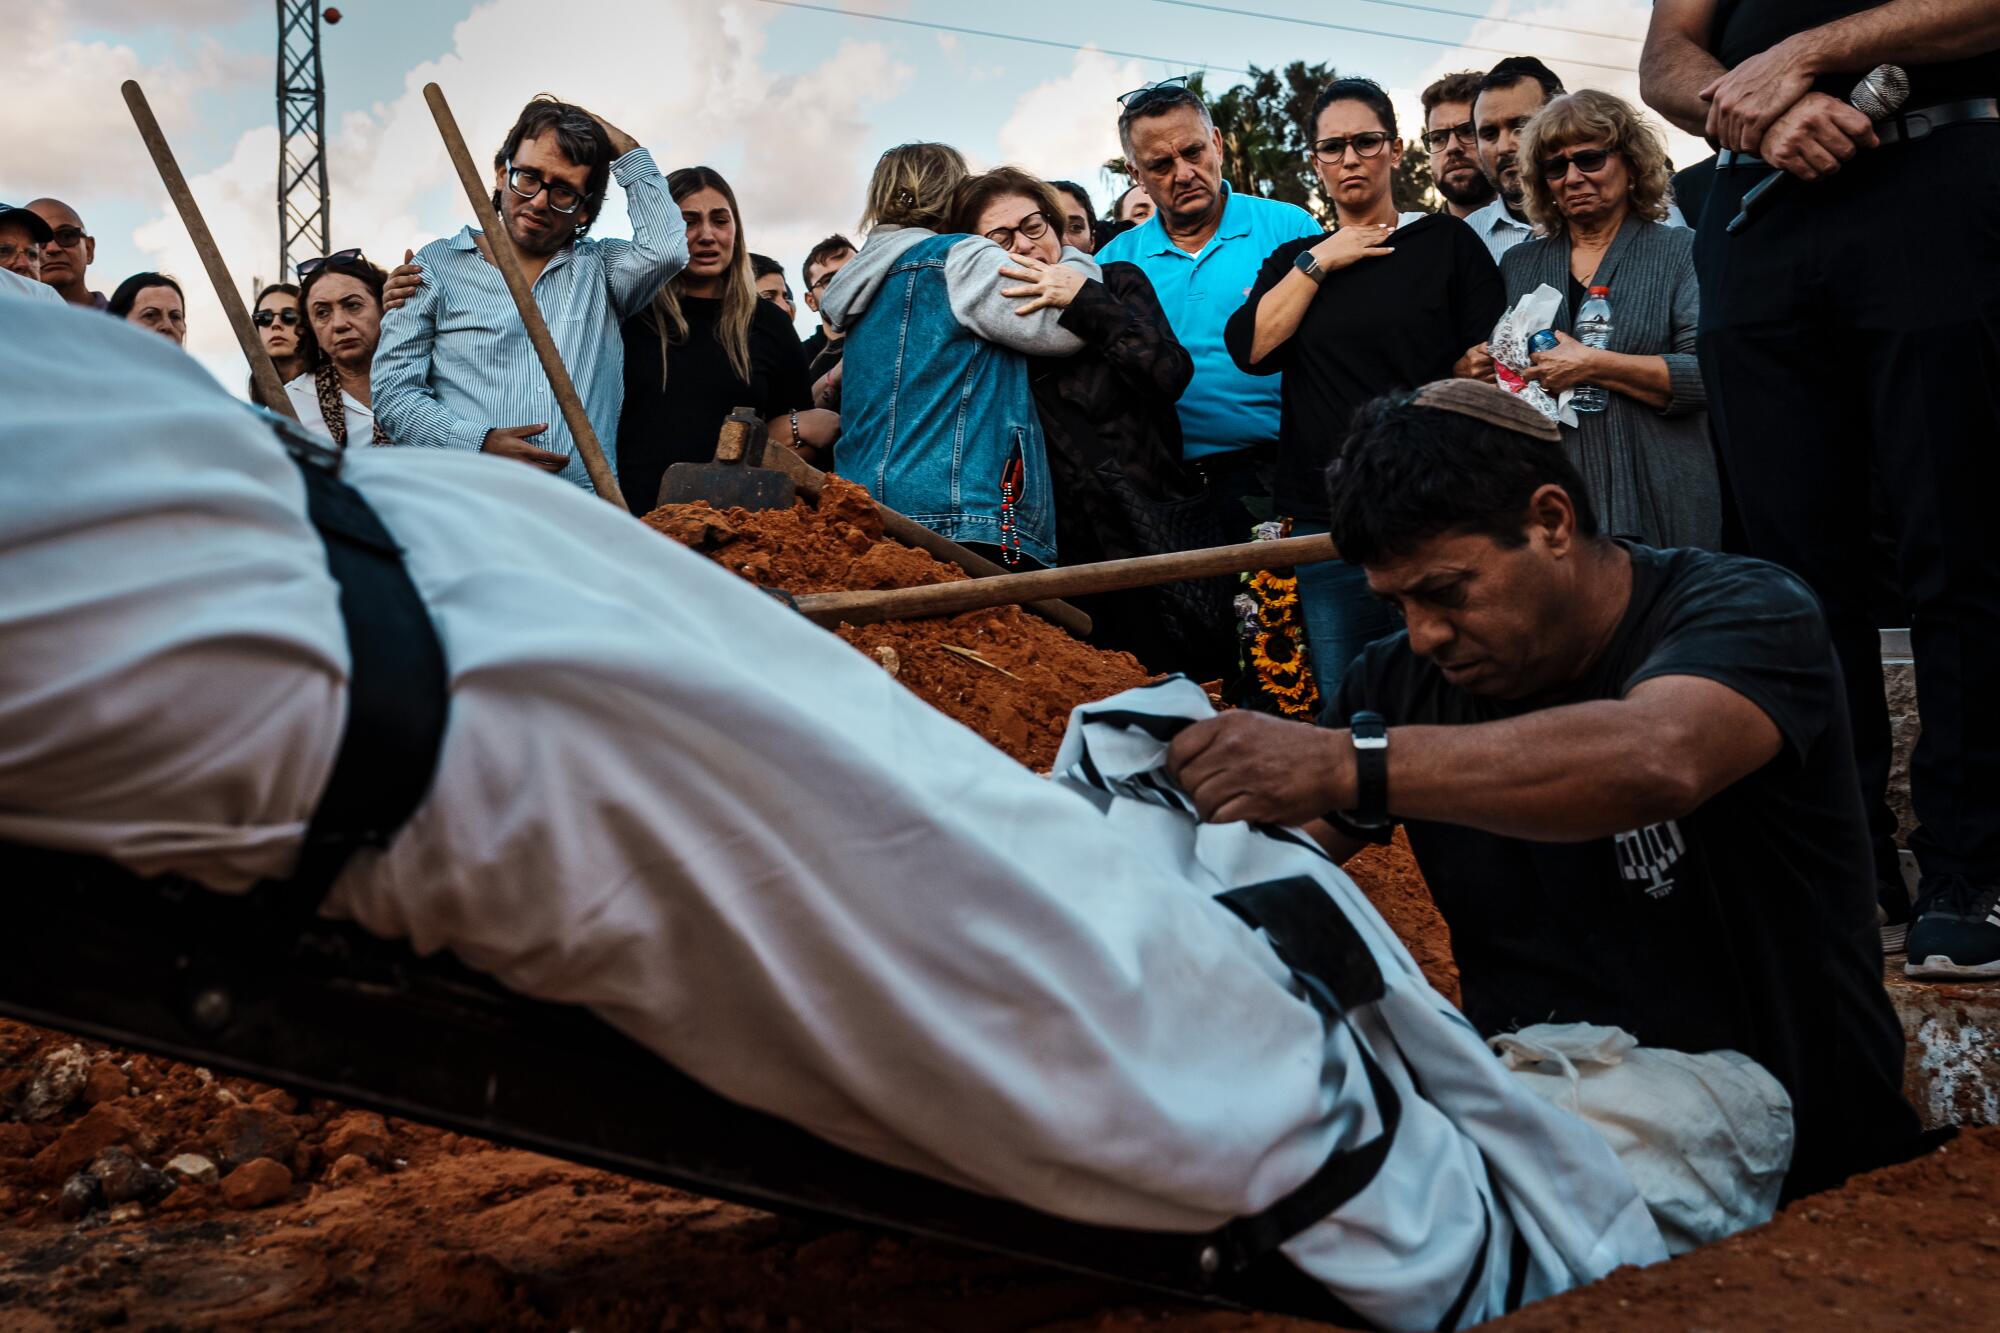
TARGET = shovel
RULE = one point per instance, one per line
(736, 479)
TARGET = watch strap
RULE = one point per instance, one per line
(1369, 733)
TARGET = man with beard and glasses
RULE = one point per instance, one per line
(455, 368)
(1201, 250)
(1453, 143)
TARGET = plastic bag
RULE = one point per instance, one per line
(1509, 348)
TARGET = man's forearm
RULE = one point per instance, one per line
(1673, 69)
(1912, 32)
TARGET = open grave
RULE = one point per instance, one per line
(136, 1191)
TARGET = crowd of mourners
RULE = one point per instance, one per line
(1041, 382)
(1038, 382)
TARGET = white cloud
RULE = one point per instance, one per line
(1627, 17)
(1066, 128)
(83, 135)
(685, 78)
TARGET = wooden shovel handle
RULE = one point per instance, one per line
(262, 370)
(602, 479)
(811, 481)
(1145, 571)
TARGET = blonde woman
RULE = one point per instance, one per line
(705, 346)
(937, 416)
(1596, 184)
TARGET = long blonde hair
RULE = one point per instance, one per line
(739, 287)
(1585, 116)
(912, 186)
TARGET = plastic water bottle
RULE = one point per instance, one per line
(1593, 329)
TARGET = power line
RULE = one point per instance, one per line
(998, 36)
(1365, 32)
(1491, 18)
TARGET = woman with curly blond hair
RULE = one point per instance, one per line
(1596, 188)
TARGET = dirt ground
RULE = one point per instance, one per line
(141, 1193)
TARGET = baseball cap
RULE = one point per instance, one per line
(37, 228)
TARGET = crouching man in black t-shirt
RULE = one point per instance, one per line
(1626, 772)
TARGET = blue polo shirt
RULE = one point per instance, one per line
(1223, 408)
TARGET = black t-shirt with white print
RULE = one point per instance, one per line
(1747, 925)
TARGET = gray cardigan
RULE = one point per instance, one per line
(1651, 475)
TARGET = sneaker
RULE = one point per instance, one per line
(1955, 934)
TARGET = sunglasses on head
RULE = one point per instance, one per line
(308, 267)
(1589, 161)
(264, 319)
(1139, 96)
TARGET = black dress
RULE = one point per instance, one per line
(677, 420)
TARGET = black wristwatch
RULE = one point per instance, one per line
(1370, 734)
(1309, 266)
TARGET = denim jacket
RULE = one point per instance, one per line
(936, 408)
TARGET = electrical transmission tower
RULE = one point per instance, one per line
(303, 206)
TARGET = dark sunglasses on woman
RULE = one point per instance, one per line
(1589, 161)
(264, 319)
(308, 267)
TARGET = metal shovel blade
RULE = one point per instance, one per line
(728, 486)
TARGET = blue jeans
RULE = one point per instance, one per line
(1342, 616)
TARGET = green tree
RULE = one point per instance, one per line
(1265, 146)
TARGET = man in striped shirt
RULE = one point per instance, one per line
(455, 369)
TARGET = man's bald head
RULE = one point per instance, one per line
(68, 256)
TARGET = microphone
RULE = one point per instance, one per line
(1878, 96)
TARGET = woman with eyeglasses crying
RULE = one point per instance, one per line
(1385, 301)
(1110, 424)
(281, 329)
(937, 416)
(1595, 184)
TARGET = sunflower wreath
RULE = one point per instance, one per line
(1279, 678)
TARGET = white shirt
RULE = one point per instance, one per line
(1502, 231)
(304, 393)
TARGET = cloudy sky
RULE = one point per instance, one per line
(791, 101)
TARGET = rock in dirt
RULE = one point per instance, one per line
(194, 1167)
(348, 1169)
(242, 1133)
(358, 1134)
(18, 1140)
(256, 1183)
(56, 1084)
(81, 1195)
(105, 1083)
(105, 1126)
(126, 1179)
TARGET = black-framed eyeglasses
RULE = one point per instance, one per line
(1138, 97)
(264, 319)
(307, 267)
(1034, 226)
(819, 284)
(1435, 140)
(1366, 144)
(1589, 161)
(528, 183)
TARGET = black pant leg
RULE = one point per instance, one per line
(1929, 311)
(1791, 425)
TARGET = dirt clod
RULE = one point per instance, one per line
(242, 1133)
(357, 1134)
(104, 1126)
(80, 1196)
(106, 1082)
(56, 1083)
(257, 1183)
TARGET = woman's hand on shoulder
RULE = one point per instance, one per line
(404, 280)
(1350, 244)
(1047, 286)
